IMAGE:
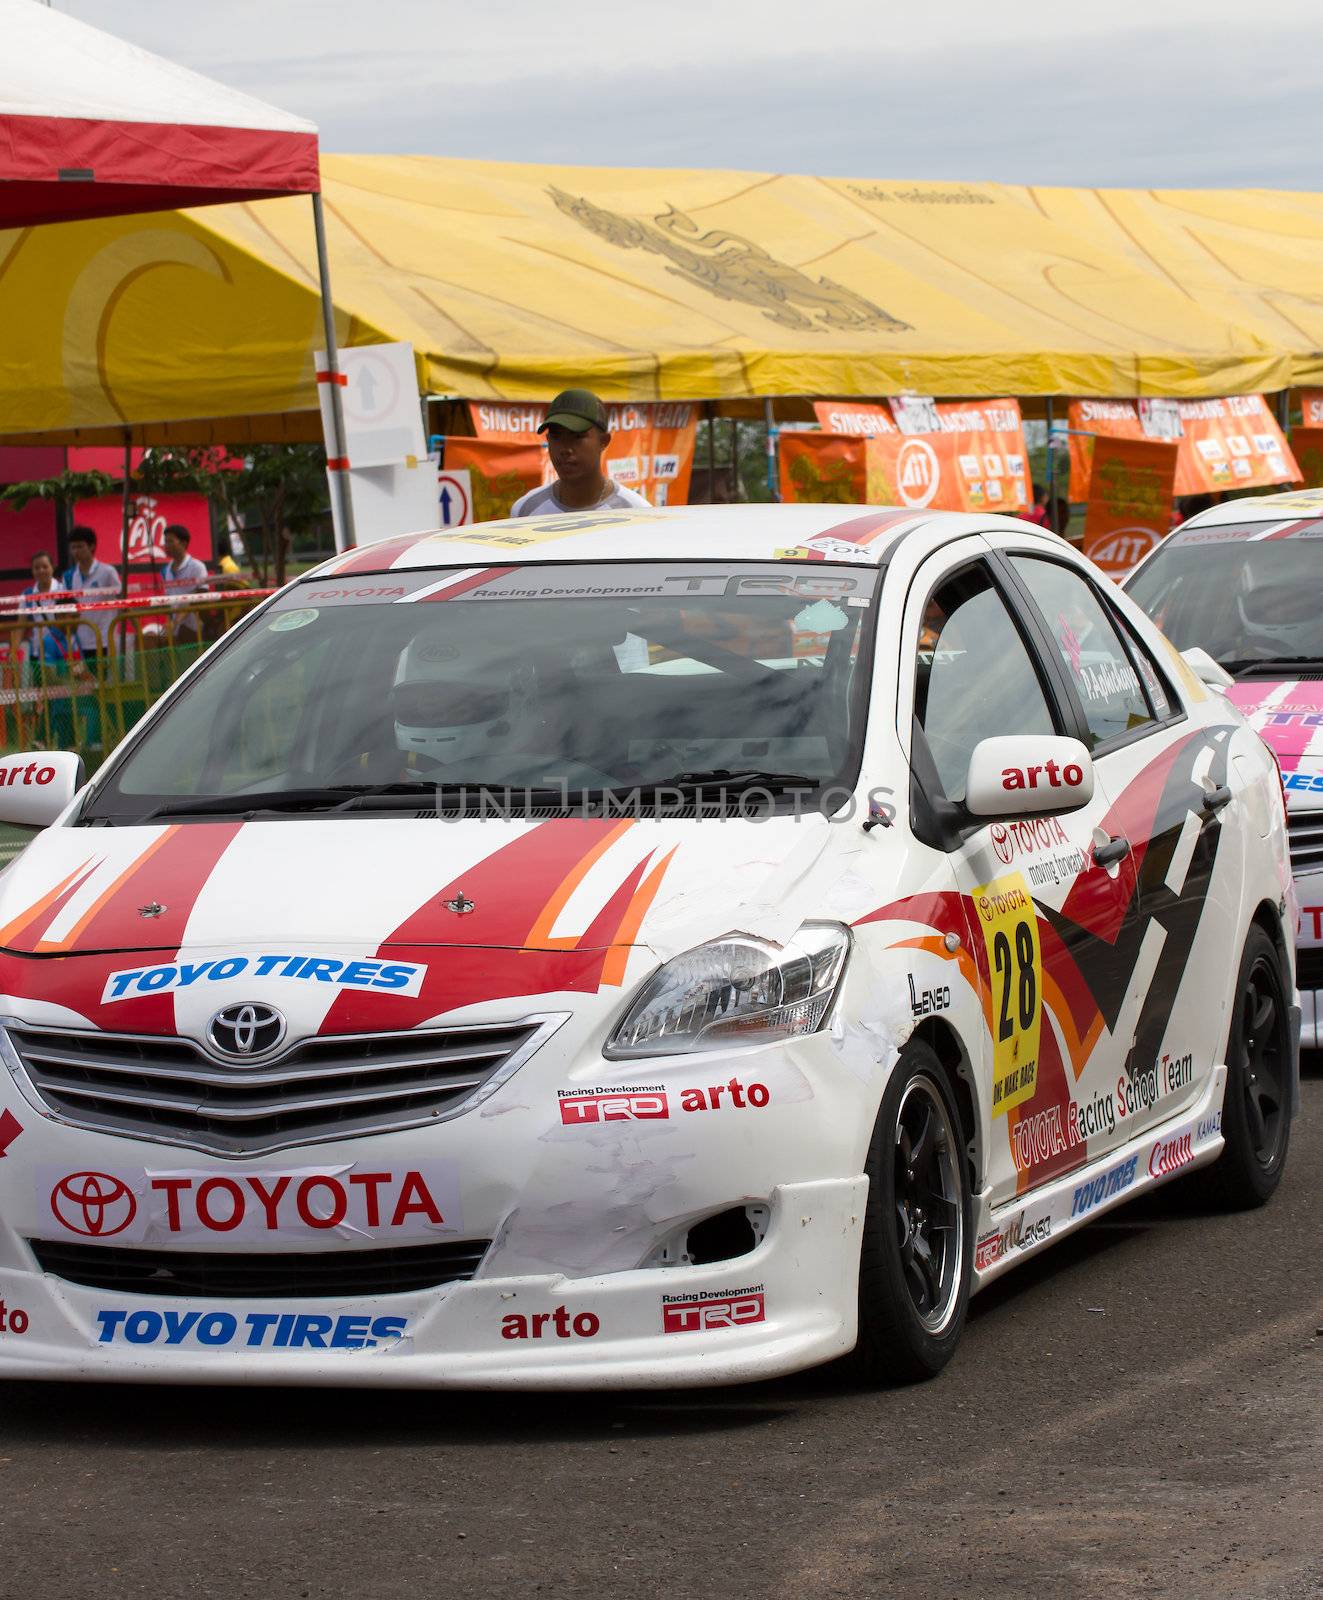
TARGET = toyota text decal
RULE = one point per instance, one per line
(145, 1207)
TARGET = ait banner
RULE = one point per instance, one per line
(651, 449)
(499, 471)
(976, 461)
(1311, 410)
(1229, 443)
(1130, 498)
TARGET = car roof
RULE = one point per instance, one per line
(1295, 512)
(688, 533)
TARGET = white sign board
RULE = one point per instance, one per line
(454, 494)
(379, 397)
(391, 500)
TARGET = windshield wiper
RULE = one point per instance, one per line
(1241, 669)
(331, 797)
(723, 778)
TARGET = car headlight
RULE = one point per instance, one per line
(733, 991)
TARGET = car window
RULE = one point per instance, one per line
(587, 676)
(974, 676)
(1098, 663)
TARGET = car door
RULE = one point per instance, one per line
(1159, 972)
(983, 667)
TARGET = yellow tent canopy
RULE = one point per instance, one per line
(512, 281)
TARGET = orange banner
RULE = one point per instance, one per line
(651, 449)
(976, 463)
(499, 472)
(828, 468)
(1231, 443)
(1130, 500)
(847, 416)
(1307, 447)
(1311, 409)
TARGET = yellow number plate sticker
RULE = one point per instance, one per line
(1006, 915)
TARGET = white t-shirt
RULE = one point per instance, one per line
(542, 501)
(104, 579)
(189, 577)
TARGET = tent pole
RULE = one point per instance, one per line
(124, 514)
(769, 419)
(1051, 499)
(340, 472)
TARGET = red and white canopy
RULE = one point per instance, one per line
(92, 126)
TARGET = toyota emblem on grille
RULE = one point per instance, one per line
(244, 1031)
(95, 1204)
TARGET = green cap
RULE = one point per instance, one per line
(576, 409)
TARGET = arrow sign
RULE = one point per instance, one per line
(367, 390)
(10, 1128)
(445, 505)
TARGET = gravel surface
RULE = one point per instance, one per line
(1140, 1412)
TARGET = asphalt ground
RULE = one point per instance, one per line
(1139, 1412)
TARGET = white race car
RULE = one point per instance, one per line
(1243, 582)
(632, 948)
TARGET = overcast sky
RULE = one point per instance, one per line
(1125, 92)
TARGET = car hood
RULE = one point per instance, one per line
(1287, 713)
(369, 923)
(566, 883)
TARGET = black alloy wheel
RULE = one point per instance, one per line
(916, 1254)
(1256, 1109)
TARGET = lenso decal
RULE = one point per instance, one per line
(394, 977)
(258, 1330)
(289, 620)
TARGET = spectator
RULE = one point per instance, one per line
(1037, 513)
(184, 574)
(577, 436)
(88, 575)
(44, 644)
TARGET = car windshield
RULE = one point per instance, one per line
(1247, 600)
(578, 678)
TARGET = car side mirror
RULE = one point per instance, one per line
(1205, 668)
(35, 787)
(1021, 775)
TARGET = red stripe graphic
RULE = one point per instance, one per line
(861, 530)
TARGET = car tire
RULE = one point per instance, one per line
(1256, 1109)
(917, 1253)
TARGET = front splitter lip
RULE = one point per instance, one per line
(805, 1272)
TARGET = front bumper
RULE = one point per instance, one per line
(788, 1304)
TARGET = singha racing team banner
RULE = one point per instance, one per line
(975, 462)
(651, 449)
(1130, 499)
(1231, 443)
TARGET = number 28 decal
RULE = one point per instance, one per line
(1009, 924)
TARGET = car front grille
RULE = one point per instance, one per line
(1304, 831)
(212, 1275)
(171, 1091)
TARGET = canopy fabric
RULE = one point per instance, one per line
(512, 281)
(93, 126)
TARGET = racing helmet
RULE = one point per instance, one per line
(1284, 616)
(458, 705)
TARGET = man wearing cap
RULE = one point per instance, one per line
(577, 436)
